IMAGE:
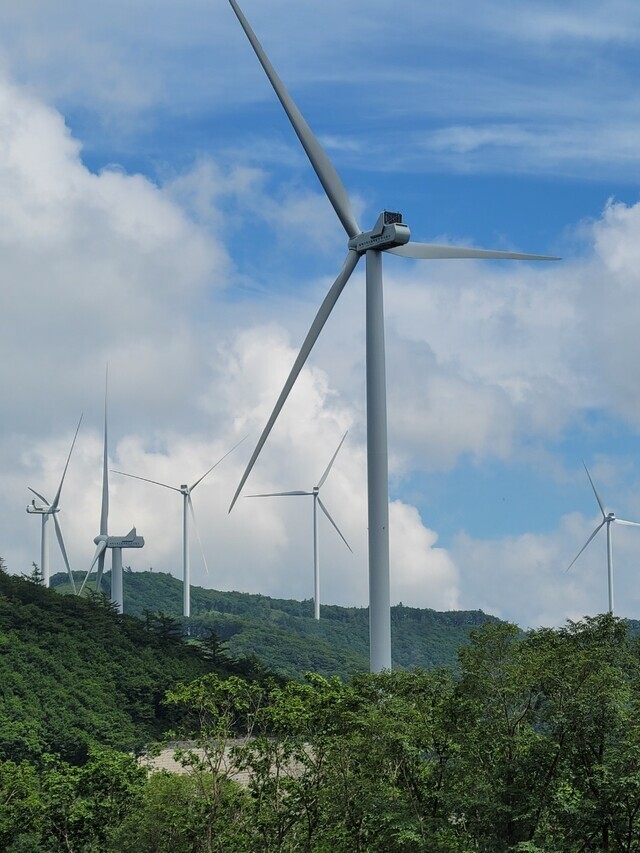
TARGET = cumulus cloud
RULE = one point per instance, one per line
(525, 579)
(482, 361)
(422, 575)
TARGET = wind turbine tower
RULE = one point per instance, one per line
(317, 502)
(50, 510)
(608, 518)
(103, 540)
(389, 234)
(187, 509)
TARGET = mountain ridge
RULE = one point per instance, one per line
(283, 634)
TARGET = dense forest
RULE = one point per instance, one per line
(532, 743)
(285, 635)
(74, 674)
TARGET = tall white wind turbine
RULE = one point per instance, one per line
(51, 510)
(103, 540)
(317, 502)
(608, 518)
(389, 234)
(187, 509)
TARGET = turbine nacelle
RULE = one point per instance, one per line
(131, 540)
(40, 510)
(388, 232)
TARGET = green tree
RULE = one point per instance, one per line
(81, 806)
(20, 806)
(221, 710)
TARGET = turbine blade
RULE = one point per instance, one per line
(99, 550)
(312, 335)
(63, 551)
(628, 523)
(145, 480)
(206, 473)
(104, 509)
(38, 495)
(54, 505)
(100, 568)
(195, 527)
(279, 494)
(602, 523)
(432, 251)
(333, 459)
(323, 167)
(82, 585)
(595, 491)
(326, 512)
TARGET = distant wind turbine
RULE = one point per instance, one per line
(103, 540)
(389, 234)
(315, 493)
(51, 510)
(187, 507)
(607, 519)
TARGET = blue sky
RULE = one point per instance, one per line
(159, 215)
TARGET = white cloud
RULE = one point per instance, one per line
(482, 361)
(525, 579)
(421, 574)
(546, 87)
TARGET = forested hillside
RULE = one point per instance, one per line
(531, 746)
(75, 675)
(284, 634)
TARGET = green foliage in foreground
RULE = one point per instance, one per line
(535, 747)
(285, 636)
(75, 674)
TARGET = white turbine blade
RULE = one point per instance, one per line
(102, 546)
(602, 523)
(206, 473)
(326, 512)
(38, 495)
(279, 494)
(54, 505)
(312, 335)
(63, 551)
(323, 167)
(104, 509)
(195, 527)
(432, 251)
(100, 571)
(82, 585)
(595, 491)
(145, 480)
(333, 459)
(99, 550)
(628, 523)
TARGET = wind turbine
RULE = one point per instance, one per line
(608, 518)
(51, 510)
(103, 540)
(187, 508)
(389, 234)
(317, 502)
